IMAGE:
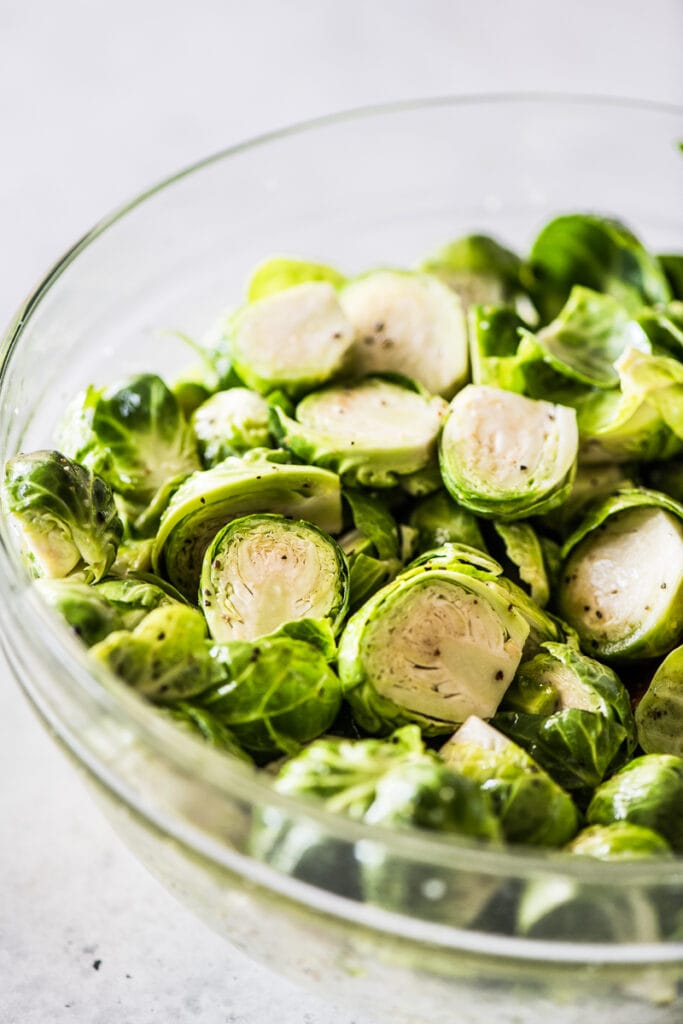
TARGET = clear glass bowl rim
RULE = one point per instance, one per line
(109, 696)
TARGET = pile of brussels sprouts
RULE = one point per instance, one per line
(412, 540)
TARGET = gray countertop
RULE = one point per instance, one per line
(97, 101)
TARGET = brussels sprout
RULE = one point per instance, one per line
(281, 272)
(643, 421)
(166, 657)
(256, 482)
(572, 715)
(664, 328)
(531, 807)
(478, 268)
(620, 840)
(296, 339)
(507, 456)
(495, 334)
(134, 435)
(523, 550)
(133, 556)
(64, 515)
(134, 597)
(372, 432)
(588, 336)
(648, 791)
(407, 323)
(372, 548)
(440, 520)
(433, 647)
(263, 571)
(230, 423)
(598, 253)
(459, 557)
(274, 695)
(201, 722)
(622, 581)
(672, 265)
(659, 715)
(89, 616)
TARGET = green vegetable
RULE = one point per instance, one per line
(433, 647)
(571, 714)
(274, 695)
(281, 272)
(295, 339)
(524, 552)
(410, 324)
(261, 572)
(64, 515)
(134, 435)
(506, 456)
(373, 432)
(479, 269)
(620, 840)
(166, 657)
(598, 253)
(648, 791)
(90, 616)
(439, 520)
(530, 805)
(256, 482)
(659, 715)
(372, 547)
(622, 582)
(230, 423)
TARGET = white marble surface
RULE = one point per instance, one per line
(96, 102)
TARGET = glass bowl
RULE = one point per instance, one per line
(497, 935)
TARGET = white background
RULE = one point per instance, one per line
(97, 101)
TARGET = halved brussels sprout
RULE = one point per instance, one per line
(166, 657)
(64, 515)
(571, 714)
(133, 434)
(622, 582)
(281, 272)
(440, 520)
(407, 323)
(372, 432)
(263, 571)
(295, 340)
(659, 715)
(648, 791)
(238, 486)
(433, 647)
(530, 805)
(598, 253)
(230, 423)
(620, 840)
(478, 268)
(588, 336)
(89, 616)
(274, 695)
(506, 456)
(135, 596)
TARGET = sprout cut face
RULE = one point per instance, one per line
(262, 572)
(371, 433)
(506, 455)
(408, 323)
(622, 586)
(433, 647)
(295, 339)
